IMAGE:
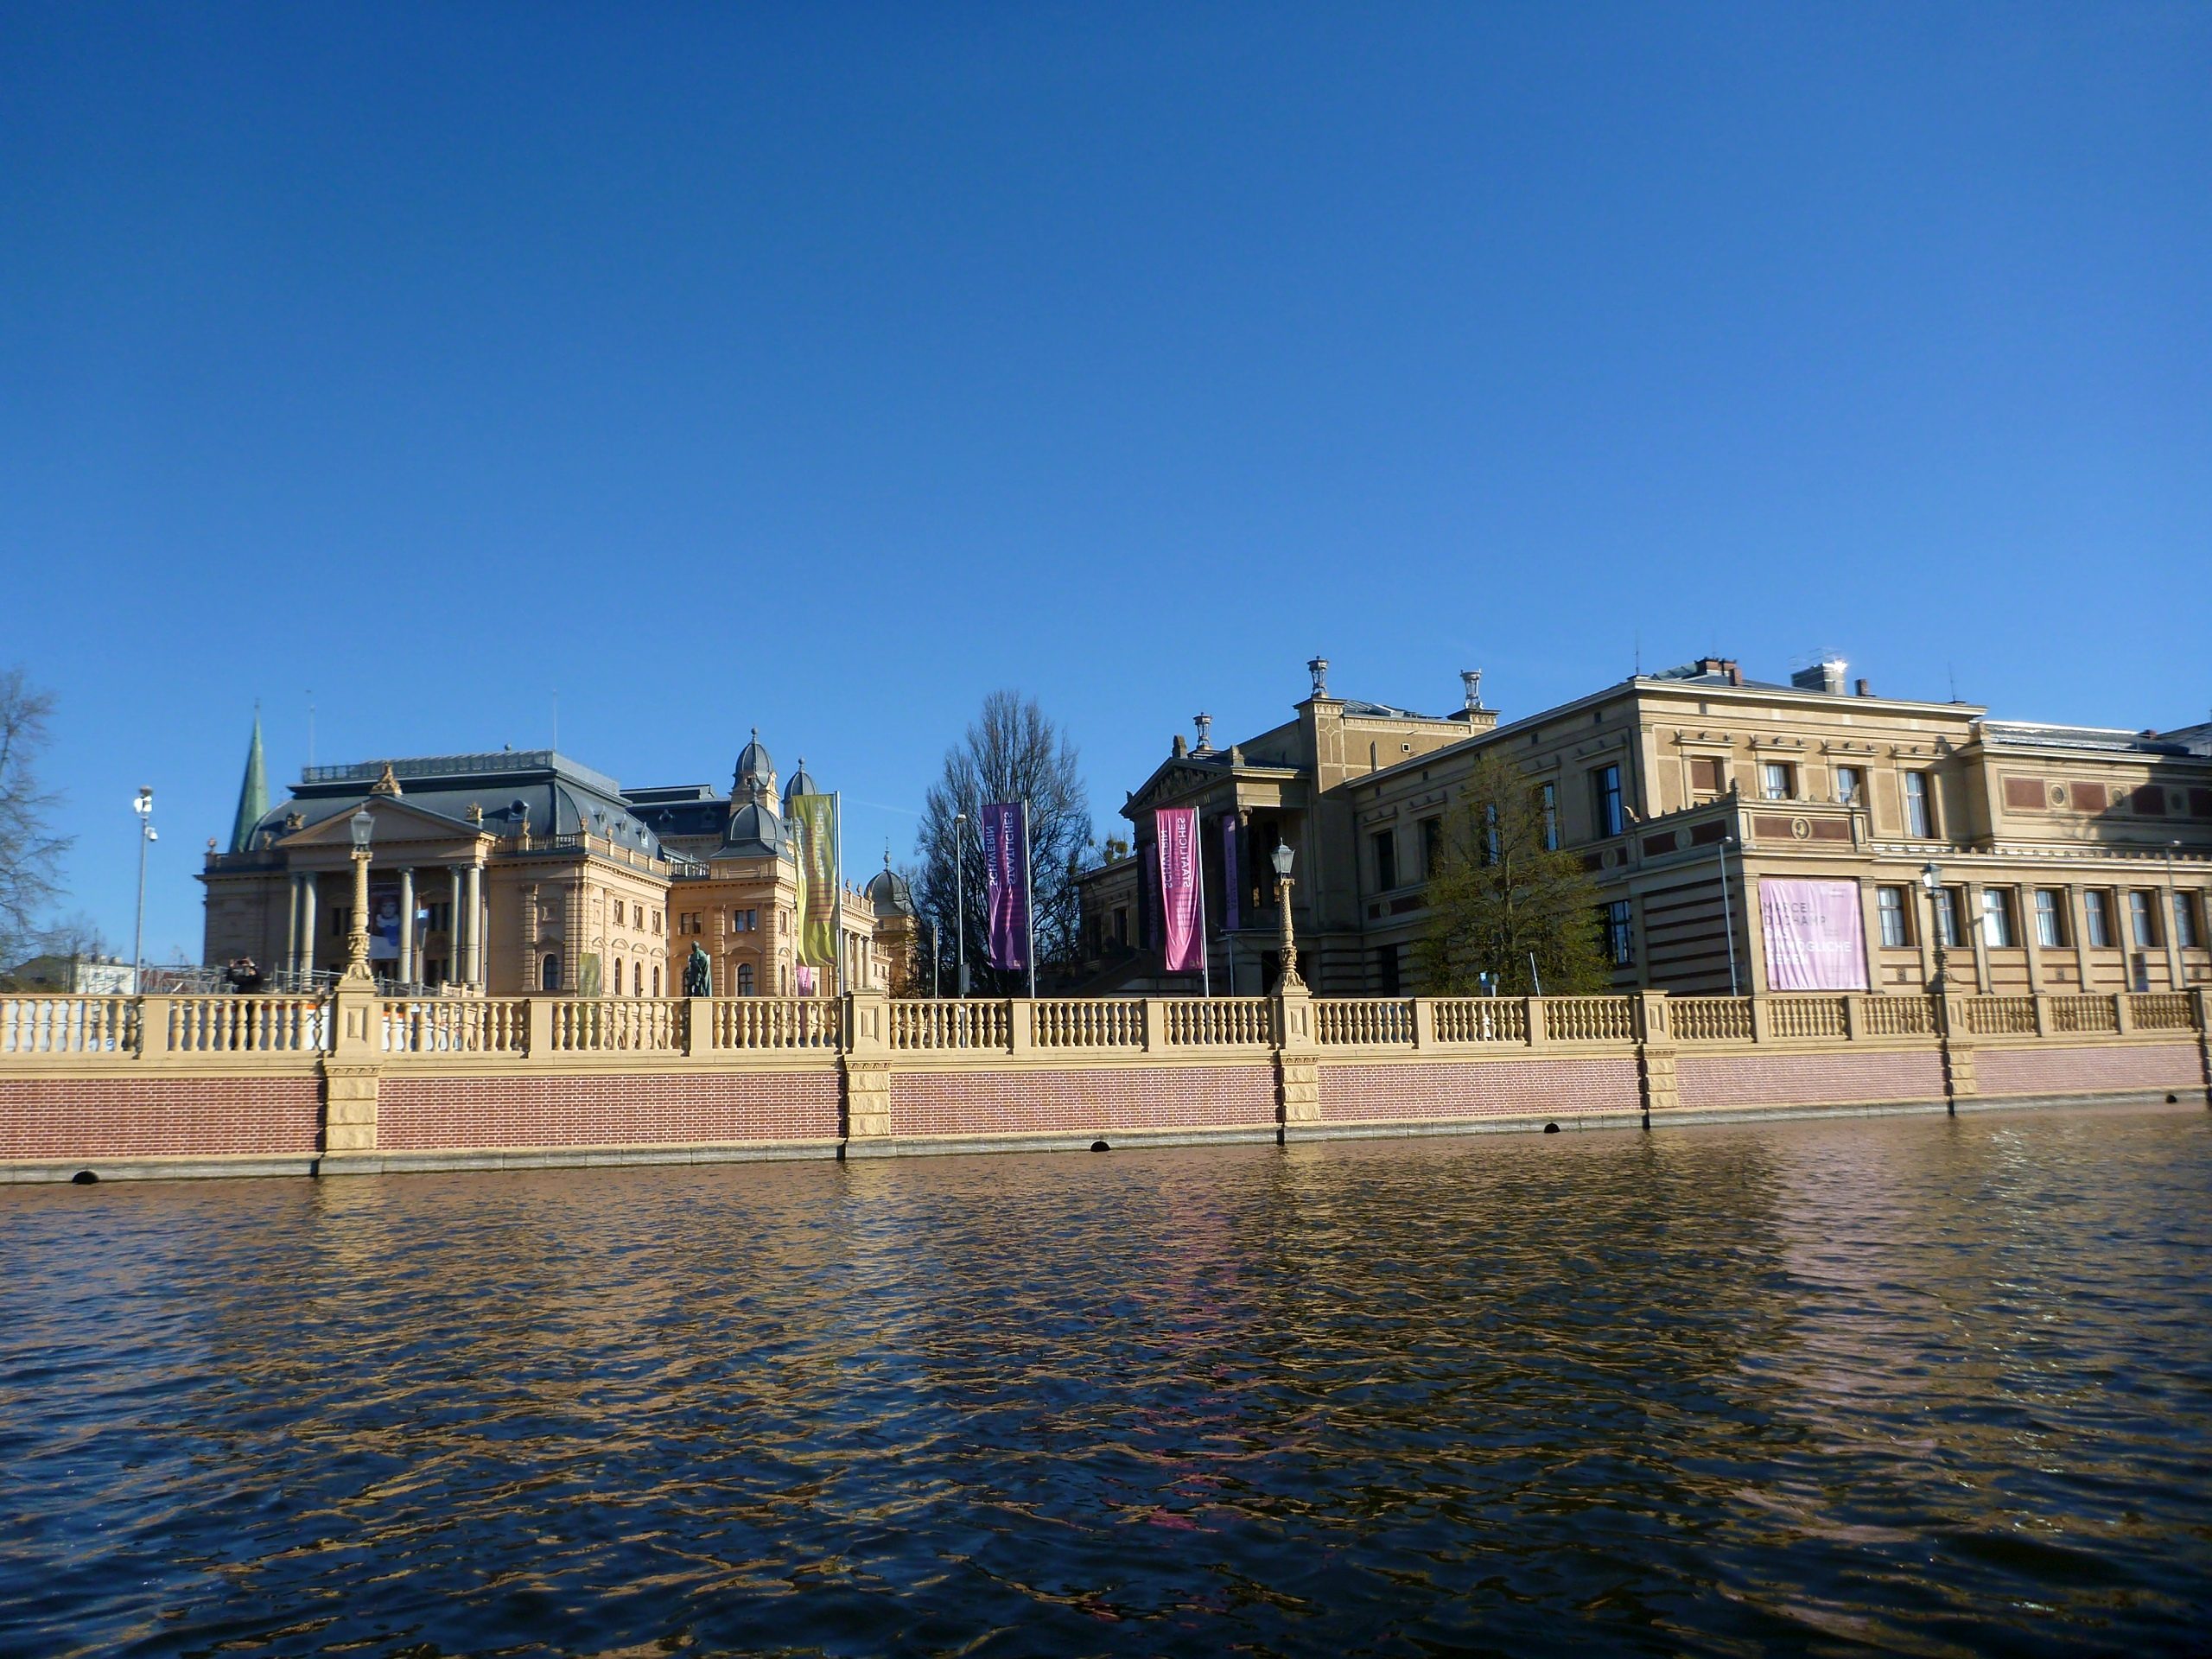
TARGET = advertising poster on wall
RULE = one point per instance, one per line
(384, 920)
(1814, 940)
(1006, 886)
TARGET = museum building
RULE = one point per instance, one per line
(1708, 807)
(525, 872)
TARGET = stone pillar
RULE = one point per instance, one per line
(2077, 923)
(307, 924)
(1977, 936)
(351, 1071)
(1539, 1036)
(475, 954)
(1761, 1020)
(1655, 1054)
(406, 965)
(1956, 1044)
(1298, 1059)
(865, 1065)
(455, 916)
(292, 925)
(698, 1025)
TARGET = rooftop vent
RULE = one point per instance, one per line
(1824, 674)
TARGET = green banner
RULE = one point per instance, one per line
(815, 816)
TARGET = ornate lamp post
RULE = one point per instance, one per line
(960, 903)
(1290, 981)
(1931, 877)
(363, 823)
(143, 806)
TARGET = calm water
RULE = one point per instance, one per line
(1909, 1384)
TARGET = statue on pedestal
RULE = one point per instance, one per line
(698, 974)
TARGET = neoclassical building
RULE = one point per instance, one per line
(2068, 858)
(527, 872)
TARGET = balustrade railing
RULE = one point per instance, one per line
(964, 1023)
(1590, 1018)
(2159, 1011)
(1896, 1016)
(1711, 1018)
(455, 1026)
(1195, 1021)
(68, 1025)
(618, 1024)
(1088, 1023)
(2096, 1016)
(1807, 1016)
(2000, 1016)
(247, 1025)
(1481, 1020)
(1366, 1021)
(777, 1022)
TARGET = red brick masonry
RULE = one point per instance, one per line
(2086, 1070)
(1808, 1079)
(155, 1117)
(1476, 1089)
(419, 1114)
(1032, 1102)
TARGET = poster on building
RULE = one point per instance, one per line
(1231, 885)
(383, 921)
(815, 818)
(1814, 940)
(1006, 885)
(1185, 949)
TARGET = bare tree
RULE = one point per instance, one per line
(31, 852)
(1012, 752)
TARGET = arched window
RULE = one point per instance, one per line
(656, 979)
(637, 979)
(745, 979)
(549, 974)
(615, 989)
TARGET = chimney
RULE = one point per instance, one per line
(1865, 691)
(1735, 674)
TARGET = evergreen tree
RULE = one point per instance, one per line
(1503, 895)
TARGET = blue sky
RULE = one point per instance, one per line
(824, 368)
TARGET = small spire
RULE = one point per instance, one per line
(253, 792)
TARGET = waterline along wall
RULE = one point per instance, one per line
(155, 1085)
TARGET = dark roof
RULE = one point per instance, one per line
(559, 795)
(802, 783)
(889, 892)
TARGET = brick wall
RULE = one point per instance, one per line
(1783, 1079)
(1033, 1103)
(419, 1114)
(2172, 1066)
(1476, 1089)
(154, 1117)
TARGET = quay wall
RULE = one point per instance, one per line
(119, 1087)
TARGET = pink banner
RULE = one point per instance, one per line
(1184, 950)
(1814, 941)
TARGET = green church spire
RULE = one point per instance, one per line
(253, 793)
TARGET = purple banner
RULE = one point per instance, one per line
(1184, 951)
(1230, 886)
(1005, 878)
(1814, 938)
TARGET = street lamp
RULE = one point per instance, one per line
(1931, 878)
(364, 824)
(1290, 981)
(960, 901)
(143, 806)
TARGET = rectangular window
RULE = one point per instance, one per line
(1947, 918)
(1778, 780)
(1897, 927)
(1620, 939)
(1606, 801)
(1386, 860)
(1850, 785)
(2096, 911)
(1386, 969)
(2050, 918)
(1919, 811)
(1549, 793)
(1705, 775)
(2185, 934)
(1432, 846)
(2142, 916)
(1997, 917)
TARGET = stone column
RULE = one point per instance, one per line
(2077, 923)
(473, 952)
(1298, 1059)
(1655, 1054)
(407, 972)
(306, 923)
(351, 1074)
(866, 1066)
(292, 924)
(1955, 1045)
(1977, 937)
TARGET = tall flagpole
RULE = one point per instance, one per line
(1029, 895)
(1199, 863)
(837, 880)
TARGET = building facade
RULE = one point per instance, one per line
(519, 872)
(1704, 805)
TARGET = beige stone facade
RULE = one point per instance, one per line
(527, 873)
(2072, 860)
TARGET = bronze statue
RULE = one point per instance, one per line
(698, 974)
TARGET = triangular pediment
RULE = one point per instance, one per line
(397, 820)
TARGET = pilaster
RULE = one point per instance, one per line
(1957, 1048)
(864, 1066)
(698, 1025)
(1655, 1054)
(351, 1070)
(1298, 1058)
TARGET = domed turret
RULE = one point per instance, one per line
(802, 782)
(756, 769)
(889, 892)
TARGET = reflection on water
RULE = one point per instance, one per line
(1934, 1387)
